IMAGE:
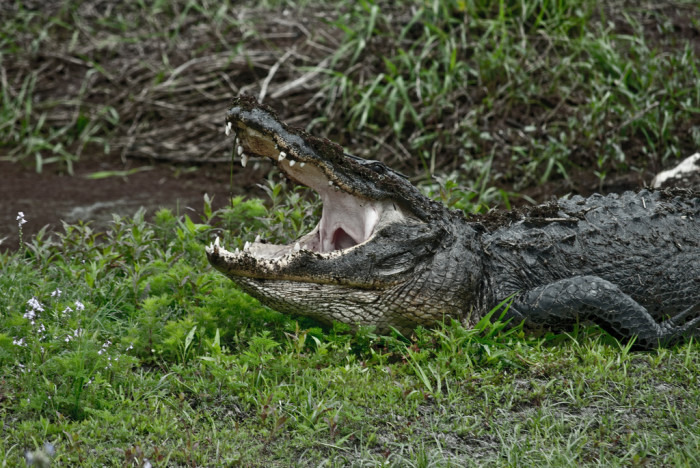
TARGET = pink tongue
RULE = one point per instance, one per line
(342, 240)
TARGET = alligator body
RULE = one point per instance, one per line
(385, 255)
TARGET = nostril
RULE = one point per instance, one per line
(342, 240)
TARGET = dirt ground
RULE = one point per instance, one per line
(52, 197)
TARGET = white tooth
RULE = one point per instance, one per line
(282, 156)
(216, 242)
(257, 238)
(292, 162)
(228, 129)
(246, 246)
(297, 247)
(302, 164)
(237, 250)
(244, 159)
(239, 150)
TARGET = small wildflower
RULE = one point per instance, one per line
(56, 293)
(67, 310)
(68, 338)
(20, 218)
(19, 342)
(131, 346)
(79, 306)
(35, 304)
(30, 315)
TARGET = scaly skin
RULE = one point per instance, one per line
(629, 263)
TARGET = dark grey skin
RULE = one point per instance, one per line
(385, 255)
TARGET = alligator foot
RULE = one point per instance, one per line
(584, 298)
(674, 329)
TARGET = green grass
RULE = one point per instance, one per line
(166, 361)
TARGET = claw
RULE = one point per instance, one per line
(682, 315)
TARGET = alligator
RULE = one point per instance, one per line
(385, 255)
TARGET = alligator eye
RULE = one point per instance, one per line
(379, 168)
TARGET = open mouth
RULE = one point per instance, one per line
(347, 220)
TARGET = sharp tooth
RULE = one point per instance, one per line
(282, 156)
(228, 128)
(244, 159)
(257, 238)
(292, 162)
(297, 247)
(217, 242)
(246, 246)
(239, 150)
(302, 164)
(237, 250)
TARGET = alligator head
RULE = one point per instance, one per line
(377, 241)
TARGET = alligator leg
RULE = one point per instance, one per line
(592, 298)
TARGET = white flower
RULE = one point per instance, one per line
(35, 304)
(30, 315)
(79, 306)
(56, 293)
(67, 310)
(19, 342)
(20, 219)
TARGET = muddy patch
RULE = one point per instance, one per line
(50, 198)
